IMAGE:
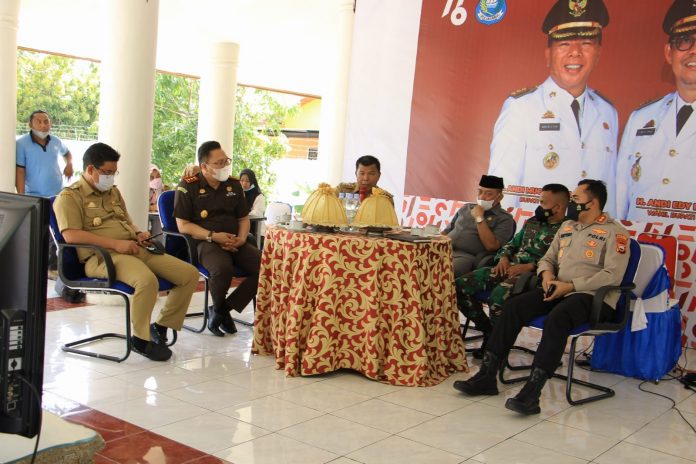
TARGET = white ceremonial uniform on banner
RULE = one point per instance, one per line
(656, 168)
(536, 141)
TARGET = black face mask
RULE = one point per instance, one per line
(543, 215)
(574, 209)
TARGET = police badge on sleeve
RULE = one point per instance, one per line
(489, 12)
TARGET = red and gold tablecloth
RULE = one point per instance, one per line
(382, 307)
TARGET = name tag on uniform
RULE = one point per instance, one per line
(549, 126)
(645, 131)
(230, 194)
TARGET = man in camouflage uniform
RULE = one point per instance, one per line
(367, 174)
(516, 257)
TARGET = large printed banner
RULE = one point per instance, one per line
(484, 102)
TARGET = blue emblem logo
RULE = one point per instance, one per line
(490, 11)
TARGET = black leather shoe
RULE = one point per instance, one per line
(227, 324)
(158, 334)
(214, 321)
(153, 351)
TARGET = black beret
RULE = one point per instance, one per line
(492, 182)
(680, 18)
(570, 19)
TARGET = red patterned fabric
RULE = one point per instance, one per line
(384, 308)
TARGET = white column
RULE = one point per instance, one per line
(217, 97)
(9, 14)
(332, 127)
(128, 96)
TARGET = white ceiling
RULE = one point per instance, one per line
(285, 44)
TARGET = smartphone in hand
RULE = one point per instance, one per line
(550, 290)
(154, 250)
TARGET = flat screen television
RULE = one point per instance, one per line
(24, 239)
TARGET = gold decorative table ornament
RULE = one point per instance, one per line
(324, 209)
(376, 212)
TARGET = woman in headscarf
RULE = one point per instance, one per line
(252, 192)
(156, 187)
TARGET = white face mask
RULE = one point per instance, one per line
(222, 174)
(105, 182)
(485, 204)
(40, 134)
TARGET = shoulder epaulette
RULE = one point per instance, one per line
(602, 97)
(191, 179)
(346, 186)
(522, 92)
(74, 186)
(648, 103)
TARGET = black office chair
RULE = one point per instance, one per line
(72, 273)
(591, 329)
(184, 247)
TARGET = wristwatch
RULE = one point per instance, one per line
(209, 238)
(479, 220)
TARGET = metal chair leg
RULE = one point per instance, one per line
(605, 392)
(465, 339)
(203, 313)
(242, 321)
(68, 347)
(174, 337)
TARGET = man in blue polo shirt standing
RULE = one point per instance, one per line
(38, 173)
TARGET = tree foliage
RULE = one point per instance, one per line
(175, 124)
(258, 140)
(66, 88)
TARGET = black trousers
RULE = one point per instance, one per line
(220, 265)
(564, 315)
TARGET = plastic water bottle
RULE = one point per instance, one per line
(351, 206)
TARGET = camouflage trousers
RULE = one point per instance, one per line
(481, 280)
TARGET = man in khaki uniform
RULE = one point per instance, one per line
(92, 211)
(588, 252)
(367, 174)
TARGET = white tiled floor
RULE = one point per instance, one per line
(213, 395)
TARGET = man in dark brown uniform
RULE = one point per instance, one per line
(210, 207)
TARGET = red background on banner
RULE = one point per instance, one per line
(464, 73)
